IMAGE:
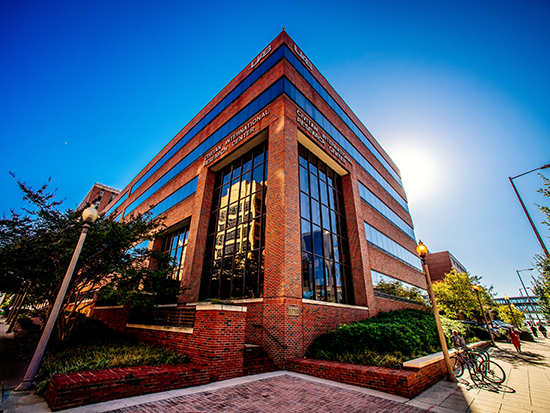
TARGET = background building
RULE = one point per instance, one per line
(441, 263)
(526, 304)
(102, 194)
(277, 197)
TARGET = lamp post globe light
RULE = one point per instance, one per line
(541, 242)
(476, 289)
(89, 215)
(422, 251)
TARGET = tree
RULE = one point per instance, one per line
(542, 281)
(455, 295)
(36, 248)
(542, 285)
(545, 191)
(504, 314)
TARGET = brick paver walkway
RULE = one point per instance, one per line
(284, 393)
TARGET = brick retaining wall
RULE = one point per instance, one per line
(78, 389)
(320, 317)
(407, 382)
(384, 304)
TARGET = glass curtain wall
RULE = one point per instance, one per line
(234, 266)
(175, 245)
(325, 251)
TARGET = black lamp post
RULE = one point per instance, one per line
(525, 209)
(89, 215)
(422, 251)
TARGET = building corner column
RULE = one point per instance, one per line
(282, 313)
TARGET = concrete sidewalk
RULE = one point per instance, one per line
(526, 389)
(12, 371)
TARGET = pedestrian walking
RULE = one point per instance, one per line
(542, 330)
(514, 336)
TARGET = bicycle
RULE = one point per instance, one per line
(479, 365)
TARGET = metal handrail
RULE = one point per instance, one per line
(174, 317)
(271, 335)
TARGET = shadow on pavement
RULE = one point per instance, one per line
(492, 387)
(525, 358)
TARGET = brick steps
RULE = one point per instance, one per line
(257, 361)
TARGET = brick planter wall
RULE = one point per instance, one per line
(416, 376)
(400, 382)
(79, 389)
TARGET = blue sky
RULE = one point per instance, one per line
(457, 94)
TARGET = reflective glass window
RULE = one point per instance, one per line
(322, 257)
(175, 246)
(239, 218)
(386, 211)
(389, 246)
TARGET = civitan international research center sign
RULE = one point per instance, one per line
(312, 128)
(236, 138)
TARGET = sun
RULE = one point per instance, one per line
(421, 170)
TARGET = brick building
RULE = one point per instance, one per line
(101, 194)
(278, 198)
(441, 263)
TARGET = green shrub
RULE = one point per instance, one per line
(410, 333)
(476, 333)
(364, 357)
(389, 339)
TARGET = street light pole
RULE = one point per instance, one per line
(541, 242)
(527, 294)
(476, 289)
(422, 251)
(89, 216)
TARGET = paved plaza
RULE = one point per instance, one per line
(527, 386)
(527, 389)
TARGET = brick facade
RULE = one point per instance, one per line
(114, 317)
(216, 340)
(282, 322)
(441, 263)
(101, 195)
